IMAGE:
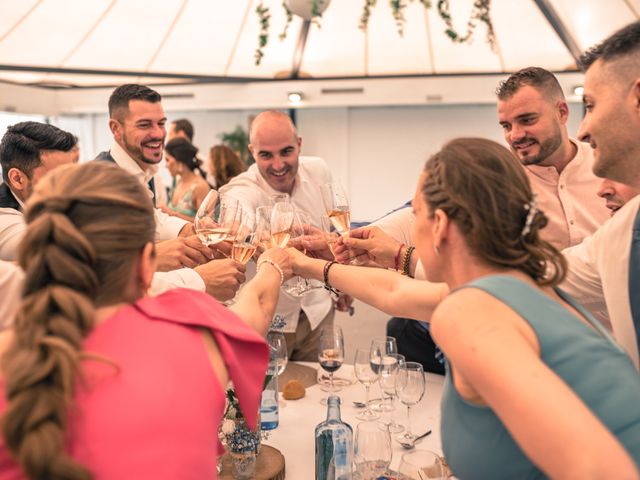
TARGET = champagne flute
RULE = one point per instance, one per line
(330, 237)
(215, 217)
(367, 376)
(421, 465)
(336, 204)
(281, 220)
(372, 449)
(278, 347)
(263, 226)
(380, 347)
(331, 353)
(388, 376)
(297, 286)
(410, 385)
(245, 241)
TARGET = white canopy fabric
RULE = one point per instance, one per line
(107, 42)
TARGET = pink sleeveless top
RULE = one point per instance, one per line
(156, 411)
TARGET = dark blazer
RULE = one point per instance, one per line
(7, 200)
(106, 156)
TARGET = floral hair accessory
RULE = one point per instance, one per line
(531, 207)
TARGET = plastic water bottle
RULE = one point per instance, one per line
(269, 414)
(334, 445)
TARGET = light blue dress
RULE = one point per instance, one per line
(474, 440)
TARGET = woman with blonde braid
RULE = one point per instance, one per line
(101, 381)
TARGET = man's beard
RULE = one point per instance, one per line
(547, 148)
(136, 152)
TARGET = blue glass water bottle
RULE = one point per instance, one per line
(334, 445)
(269, 403)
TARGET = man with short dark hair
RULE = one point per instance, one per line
(181, 128)
(605, 268)
(138, 125)
(28, 151)
(533, 113)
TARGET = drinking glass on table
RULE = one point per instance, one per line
(216, 217)
(336, 204)
(367, 376)
(331, 353)
(372, 449)
(278, 346)
(388, 376)
(410, 385)
(282, 215)
(380, 347)
(421, 465)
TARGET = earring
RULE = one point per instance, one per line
(436, 250)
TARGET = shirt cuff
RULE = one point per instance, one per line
(183, 278)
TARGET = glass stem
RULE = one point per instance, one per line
(409, 433)
(330, 383)
(366, 387)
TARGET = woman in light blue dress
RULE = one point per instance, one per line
(535, 386)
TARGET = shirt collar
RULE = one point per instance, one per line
(129, 165)
(20, 202)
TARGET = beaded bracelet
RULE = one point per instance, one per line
(397, 259)
(274, 264)
(325, 275)
(406, 261)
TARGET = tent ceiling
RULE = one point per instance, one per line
(90, 43)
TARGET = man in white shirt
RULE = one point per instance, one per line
(28, 151)
(604, 268)
(279, 169)
(533, 114)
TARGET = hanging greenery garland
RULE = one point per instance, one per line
(481, 12)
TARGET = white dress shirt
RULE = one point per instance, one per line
(253, 191)
(11, 280)
(569, 199)
(598, 275)
(167, 227)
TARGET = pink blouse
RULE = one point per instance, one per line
(153, 409)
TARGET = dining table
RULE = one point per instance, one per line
(295, 439)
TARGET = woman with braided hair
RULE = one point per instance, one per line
(101, 381)
(535, 387)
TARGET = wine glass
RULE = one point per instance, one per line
(381, 346)
(372, 449)
(336, 203)
(278, 351)
(298, 286)
(410, 386)
(421, 465)
(330, 237)
(367, 376)
(216, 216)
(388, 376)
(263, 226)
(331, 353)
(281, 220)
(245, 240)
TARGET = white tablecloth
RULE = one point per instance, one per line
(294, 437)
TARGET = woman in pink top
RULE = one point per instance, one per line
(100, 380)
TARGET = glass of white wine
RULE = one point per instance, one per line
(331, 237)
(282, 215)
(263, 226)
(245, 241)
(336, 204)
(216, 216)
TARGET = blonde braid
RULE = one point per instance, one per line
(75, 252)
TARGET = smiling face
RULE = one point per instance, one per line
(276, 148)
(612, 121)
(140, 131)
(533, 126)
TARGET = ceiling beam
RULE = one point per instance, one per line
(298, 53)
(560, 28)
